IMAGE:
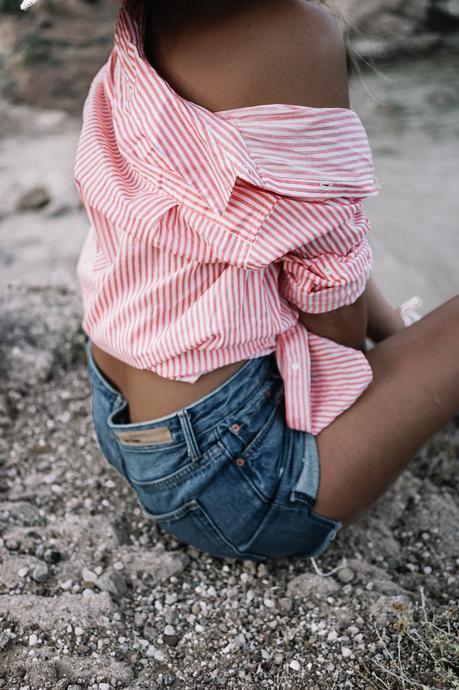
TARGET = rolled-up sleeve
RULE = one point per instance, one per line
(331, 267)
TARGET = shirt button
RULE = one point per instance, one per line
(235, 427)
(328, 271)
(295, 365)
(240, 462)
(251, 172)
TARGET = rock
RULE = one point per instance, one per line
(113, 582)
(34, 198)
(170, 637)
(40, 573)
(157, 563)
(345, 575)
(40, 331)
(5, 638)
(450, 8)
(49, 613)
(311, 585)
(88, 576)
(84, 668)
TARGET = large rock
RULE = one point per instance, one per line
(40, 332)
(51, 613)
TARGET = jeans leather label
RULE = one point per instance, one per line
(144, 437)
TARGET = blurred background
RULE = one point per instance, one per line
(404, 64)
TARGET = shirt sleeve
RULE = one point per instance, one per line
(331, 266)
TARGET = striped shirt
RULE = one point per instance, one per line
(209, 231)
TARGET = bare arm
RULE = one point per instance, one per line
(346, 325)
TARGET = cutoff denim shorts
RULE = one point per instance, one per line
(224, 474)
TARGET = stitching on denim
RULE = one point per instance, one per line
(191, 469)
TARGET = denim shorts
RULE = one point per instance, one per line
(224, 474)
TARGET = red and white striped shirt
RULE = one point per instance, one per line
(210, 230)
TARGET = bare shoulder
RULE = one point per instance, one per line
(311, 59)
(289, 51)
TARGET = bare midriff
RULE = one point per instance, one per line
(150, 395)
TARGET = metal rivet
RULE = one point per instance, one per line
(235, 427)
(240, 462)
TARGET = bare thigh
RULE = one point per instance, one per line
(415, 391)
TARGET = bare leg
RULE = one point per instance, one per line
(415, 391)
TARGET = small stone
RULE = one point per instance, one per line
(170, 637)
(104, 686)
(33, 639)
(66, 584)
(113, 581)
(40, 572)
(346, 652)
(311, 585)
(345, 575)
(294, 665)
(5, 639)
(22, 572)
(139, 619)
(12, 544)
(88, 576)
(285, 604)
(34, 198)
(155, 653)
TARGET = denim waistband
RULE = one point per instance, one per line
(231, 395)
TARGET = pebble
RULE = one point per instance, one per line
(170, 637)
(346, 652)
(88, 575)
(104, 686)
(33, 639)
(294, 665)
(40, 572)
(22, 572)
(33, 198)
(155, 653)
(345, 575)
(5, 638)
(66, 584)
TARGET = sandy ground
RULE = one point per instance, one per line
(411, 114)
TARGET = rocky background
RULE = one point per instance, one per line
(92, 594)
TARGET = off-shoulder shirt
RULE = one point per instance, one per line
(210, 231)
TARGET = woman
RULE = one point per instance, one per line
(226, 282)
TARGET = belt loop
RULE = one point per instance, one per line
(190, 438)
